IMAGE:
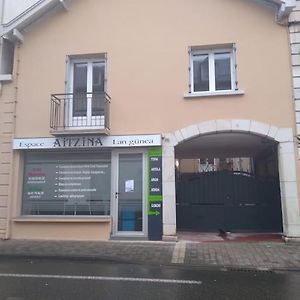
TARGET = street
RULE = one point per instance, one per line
(45, 279)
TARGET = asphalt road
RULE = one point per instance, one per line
(50, 279)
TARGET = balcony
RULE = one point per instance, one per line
(80, 113)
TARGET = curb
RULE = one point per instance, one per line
(106, 259)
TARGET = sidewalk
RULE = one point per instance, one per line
(249, 255)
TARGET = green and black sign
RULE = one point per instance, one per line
(155, 193)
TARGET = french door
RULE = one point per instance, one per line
(86, 104)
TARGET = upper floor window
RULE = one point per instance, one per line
(212, 70)
(85, 104)
(87, 78)
(87, 89)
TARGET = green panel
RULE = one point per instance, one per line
(153, 152)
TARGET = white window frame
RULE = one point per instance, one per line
(89, 60)
(115, 188)
(193, 51)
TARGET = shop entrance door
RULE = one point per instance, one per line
(129, 211)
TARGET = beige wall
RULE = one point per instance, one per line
(188, 166)
(61, 231)
(147, 48)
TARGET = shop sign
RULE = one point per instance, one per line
(88, 142)
(155, 174)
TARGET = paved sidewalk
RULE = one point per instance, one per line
(257, 255)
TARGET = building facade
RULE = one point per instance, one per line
(102, 100)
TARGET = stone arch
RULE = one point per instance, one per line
(286, 159)
(235, 125)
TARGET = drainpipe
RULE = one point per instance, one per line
(284, 10)
(12, 161)
(1, 41)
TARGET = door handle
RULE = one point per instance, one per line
(116, 195)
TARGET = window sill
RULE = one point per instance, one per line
(6, 77)
(62, 219)
(214, 94)
(83, 131)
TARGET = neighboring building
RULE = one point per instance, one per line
(294, 29)
(101, 100)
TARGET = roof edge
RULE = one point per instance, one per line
(283, 9)
(30, 15)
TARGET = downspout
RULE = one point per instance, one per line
(283, 9)
(1, 38)
(12, 161)
(283, 12)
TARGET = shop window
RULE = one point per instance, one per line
(212, 70)
(67, 184)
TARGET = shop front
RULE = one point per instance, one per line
(110, 184)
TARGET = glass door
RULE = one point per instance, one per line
(130, 205)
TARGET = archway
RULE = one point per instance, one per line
(282, 137)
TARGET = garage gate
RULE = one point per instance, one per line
(228, 200)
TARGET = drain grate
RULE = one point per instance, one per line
(249, 270)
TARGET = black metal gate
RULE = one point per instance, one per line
(228, 200)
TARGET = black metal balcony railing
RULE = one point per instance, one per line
(80, 111)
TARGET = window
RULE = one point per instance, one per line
(67, 184)
(206, 165)
(87, 87)
(212, 70)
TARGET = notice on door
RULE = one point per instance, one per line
(129, 186)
